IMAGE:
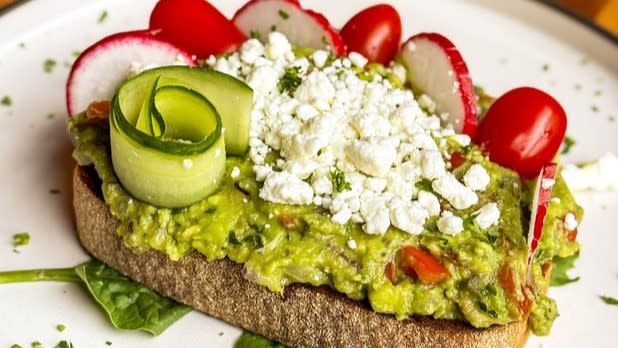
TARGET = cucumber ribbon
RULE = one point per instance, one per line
(166, 137)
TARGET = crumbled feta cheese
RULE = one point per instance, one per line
(570, 222)
(235, 172)
(376, 216)
(458, 195)
(277, 46)
(357, 59)
(408, 216)
(547, 183)
(319, 58)
(371, 158)
(430, 202)
(476, 178)
(352, 244)
(342, 216)
(432, 164)
(450, 224)
(487, 216)
(282, 187)
(315, 87)
(251, 50)
(187, 164)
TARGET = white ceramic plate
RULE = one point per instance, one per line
(506, 44)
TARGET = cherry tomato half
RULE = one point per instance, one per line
(375, 32)
(523, 130)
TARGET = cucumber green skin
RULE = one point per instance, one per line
(232, 98)
(177, 175)
(146, 173)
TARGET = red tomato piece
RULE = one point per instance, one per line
(195, 25)
(375, 32)
(416, 262)
(523, 130)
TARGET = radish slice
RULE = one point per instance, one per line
(542, 194)
(436, 68)
(102, 67)
(304, 28)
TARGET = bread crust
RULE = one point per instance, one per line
(303, 316)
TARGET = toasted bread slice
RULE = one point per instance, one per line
(303, 316)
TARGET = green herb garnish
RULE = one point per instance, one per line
(423, 184)
(49, 65)
(284, 15)
(325, 40)
(60, 327)
(609, 300)
(290, 80)
(21, 239)
(484, 308)
(36, 344)
(273, 28)
(339, 181)
(567, 144)
(6, 101)
(76, 53)
(64, 344)
(255, 34)
(129, 305)
(594, 108)
(108, 343)
(103, 16)
(15, 345)
(22, 45)
(545, 67)
(559, 274)
(50, 116)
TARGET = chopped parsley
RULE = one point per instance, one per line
(609, 300)
(423, 184)
(597, 93)
(64, 344)
(578, 86)
(255, 34)
(60, 327)
(325, 40)
(21, 239)
(221, 333)
(54, 191)
(103, 16)
(108, 343)
(51, 116)
(339, 181)
(567, 144)
(594, 108)
(49, 65)
(36, 344)
(284, 15)
(273, 28)
(22, 45)
(76, 53)
(611, 118)
(545, 67)
(6, 101)
(16, 346)
(484, 308)
(290, 80)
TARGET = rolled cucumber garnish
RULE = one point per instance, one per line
(167, 132)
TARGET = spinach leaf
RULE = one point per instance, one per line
(129, 305)
(559, 274)
(609, 300)
(252, 340)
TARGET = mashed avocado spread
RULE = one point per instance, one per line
(281, 244)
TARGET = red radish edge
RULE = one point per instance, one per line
(110, 42)
(328, 31)
(542, 195)
(466, 123)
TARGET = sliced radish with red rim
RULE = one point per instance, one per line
(101, 68)
(304, 28)
(436, 68)
(540, 202)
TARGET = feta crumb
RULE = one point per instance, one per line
(488, 215)
(342, 216)
(476, 178)
(277, 46)
(430, 202)
(319, 58)
(352, 244)
(374, 159)
(547, 183)
(570, 222)
(187, 163)
(408, 216)
(376, 216)
(282, 187)
(450, 224)
(235, 172)
(357, 59)
(458, 195)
